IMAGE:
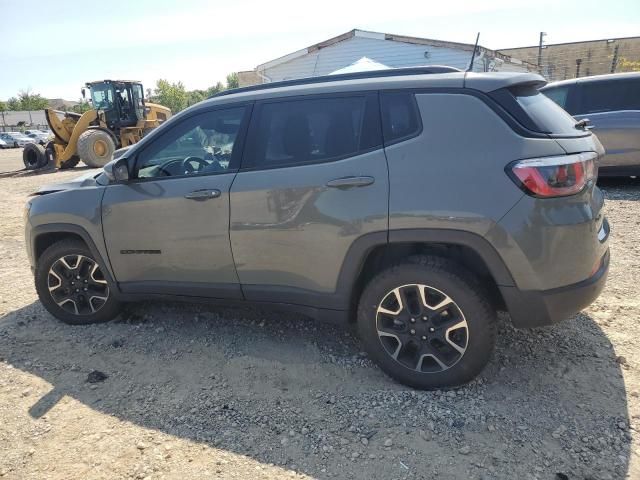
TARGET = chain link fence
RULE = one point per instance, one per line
(581, 59)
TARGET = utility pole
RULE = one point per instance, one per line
(614, 62)
(542, 35)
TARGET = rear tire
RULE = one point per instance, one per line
(72, 162)
(72, 286)
(95, 148)
(427, 323)
(33, 156)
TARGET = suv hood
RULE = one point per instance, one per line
(86, 180)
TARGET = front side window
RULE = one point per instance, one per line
(102, 96)
(200, 145)
(313, 130)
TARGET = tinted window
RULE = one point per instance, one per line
(199, 145)
(558, 95)
(547, 115)
(603, 96)
(313, 130)
(400, 116)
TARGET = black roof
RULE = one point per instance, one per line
(392, 72)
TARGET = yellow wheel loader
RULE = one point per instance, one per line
(120, 117)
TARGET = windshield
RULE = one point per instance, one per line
(102, 96)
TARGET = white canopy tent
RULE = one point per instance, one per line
(364, 64)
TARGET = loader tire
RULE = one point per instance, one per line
(50, 154)
(72, 162)
(33, 156)
(95, 148)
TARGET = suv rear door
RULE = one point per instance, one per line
(313, 181)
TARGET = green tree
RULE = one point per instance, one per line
(32, 101)
(217, 88)
(172, 95)
(3, 106)
(81, 107)
(232, 80)
(13, 104)
(625, 65)
(195, 96)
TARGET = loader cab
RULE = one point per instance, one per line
(120, 103)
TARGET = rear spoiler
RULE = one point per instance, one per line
(489, 82)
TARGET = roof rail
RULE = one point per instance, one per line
(392, 72)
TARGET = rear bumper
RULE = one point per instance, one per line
(530, 308)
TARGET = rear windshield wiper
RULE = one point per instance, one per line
(584, 124)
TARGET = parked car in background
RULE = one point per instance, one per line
(3, 144)
(39, 137)
(414, 204)
(612, 105)
(16, 139)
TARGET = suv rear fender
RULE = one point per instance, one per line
(589, 143)
(552, 242)
(360, 265)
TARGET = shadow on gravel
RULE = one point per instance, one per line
(286, 390)
(620, 188)
(42, 171)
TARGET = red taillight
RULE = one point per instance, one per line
(555, 176)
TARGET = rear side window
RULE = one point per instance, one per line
(547, 115)
(612, 95)
(400, 116)
(313, 130)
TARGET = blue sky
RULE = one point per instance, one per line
(54, 47)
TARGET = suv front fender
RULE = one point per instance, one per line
(58, 231)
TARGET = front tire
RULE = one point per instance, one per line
(427, 323)
(72, 286)
(95, 148)
(33, 156)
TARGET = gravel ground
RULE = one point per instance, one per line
(193, 391)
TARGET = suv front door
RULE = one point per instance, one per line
(313, 182)
(166, 230)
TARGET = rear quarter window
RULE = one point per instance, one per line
(400, 117)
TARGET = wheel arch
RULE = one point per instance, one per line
(43, 236)
(374, 252)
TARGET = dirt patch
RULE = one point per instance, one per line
(192, 391)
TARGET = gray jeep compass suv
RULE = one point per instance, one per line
(414, 202)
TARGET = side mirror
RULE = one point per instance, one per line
(84, 93)
(117, 170)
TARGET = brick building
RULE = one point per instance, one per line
(580, 59)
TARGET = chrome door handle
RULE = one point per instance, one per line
(348, 182)
(205, 194)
